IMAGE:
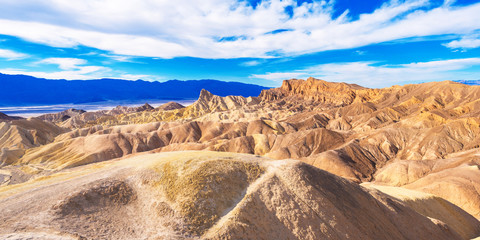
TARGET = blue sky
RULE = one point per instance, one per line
(371, 43)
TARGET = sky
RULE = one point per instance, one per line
(367, 42)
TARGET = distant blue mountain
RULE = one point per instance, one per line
(17, 90)
(468, 82)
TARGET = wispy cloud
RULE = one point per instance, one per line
(360, 53)
(12, 55)
(251, 63)
(192, 28)
(68, 68)
(64, 63)
(78, 69)
(118, 58)
(371, 74)
(466, 42)
(84, 74)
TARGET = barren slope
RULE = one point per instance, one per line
(209, 195)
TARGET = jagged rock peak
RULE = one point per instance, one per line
(205, 95)
(314, 89)
(207, 102)
(170, 106)
(145, 106)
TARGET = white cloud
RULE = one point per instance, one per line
(122, 44)
(118, 58)
(466, 42)
(85, 74)
(279, 75)
(64, 63)
(360, 53)
(70, 69)
(78, 69)
(251, 63)
(191, 28)
(11, 55)
(370, 74)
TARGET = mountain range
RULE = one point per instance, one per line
(19, 90)
(469, 82)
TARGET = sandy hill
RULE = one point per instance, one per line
(211, 195)
(416, 139)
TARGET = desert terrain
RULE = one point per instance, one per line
(309, 160)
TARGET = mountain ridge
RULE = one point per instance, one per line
(21, 90)
(468, 82)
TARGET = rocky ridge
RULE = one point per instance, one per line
(5, 118)
(413, 138)
(61, 116)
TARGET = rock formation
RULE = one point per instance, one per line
(170, 106)
(414, 147)
(74, 118)
(61, 116)
(123, 110)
